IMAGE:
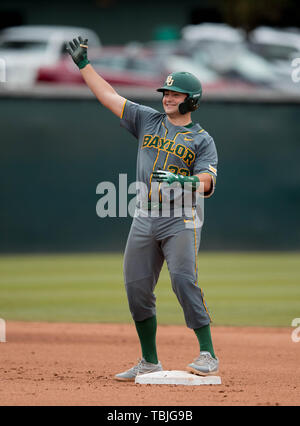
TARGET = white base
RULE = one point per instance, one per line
(175, 377)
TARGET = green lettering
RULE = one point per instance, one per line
(154, 142)
(170, 145)
(189, 158)
(146, 140)
(163, 143)
(179, 150)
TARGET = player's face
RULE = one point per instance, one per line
(171, 100)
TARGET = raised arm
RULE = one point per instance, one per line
(103, 91)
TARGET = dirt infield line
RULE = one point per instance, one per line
(74, 364)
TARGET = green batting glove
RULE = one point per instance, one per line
(78, 51)
(187, 182)
(164, 176)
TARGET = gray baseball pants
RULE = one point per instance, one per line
(152, 240)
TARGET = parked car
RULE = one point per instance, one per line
(25, 48)
(224, 50)
(279, 47)
(210, 31)
(119, 65)
(176, 56)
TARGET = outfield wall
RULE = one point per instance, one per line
(53, 153)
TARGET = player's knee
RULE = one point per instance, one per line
(182, 284)
(188, 293)
(190, 297)
(141, 300)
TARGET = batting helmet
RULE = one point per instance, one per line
(184, 82)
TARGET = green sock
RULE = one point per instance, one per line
(204, 338)
(147, 334)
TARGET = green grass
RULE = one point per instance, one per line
(240, 289)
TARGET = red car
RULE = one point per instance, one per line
(119, 66)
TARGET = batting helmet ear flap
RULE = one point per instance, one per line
(189, 104)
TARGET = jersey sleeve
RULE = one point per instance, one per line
(206, 161)
(135, 116)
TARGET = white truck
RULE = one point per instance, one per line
(24, 49)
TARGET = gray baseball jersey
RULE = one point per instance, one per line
(161, 145)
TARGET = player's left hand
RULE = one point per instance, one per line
(164, 176)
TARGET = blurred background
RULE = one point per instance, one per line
(57, 142)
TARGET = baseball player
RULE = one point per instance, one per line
(172, 149)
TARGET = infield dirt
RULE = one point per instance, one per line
(74, 364)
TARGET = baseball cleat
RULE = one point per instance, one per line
(143, 367)
(204, 365)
